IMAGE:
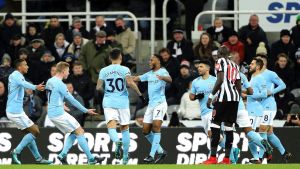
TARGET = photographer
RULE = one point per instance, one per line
(293, 118)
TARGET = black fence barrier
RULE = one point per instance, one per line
(184, 145)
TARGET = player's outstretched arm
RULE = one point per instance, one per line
(167, 79)
(72, 100)
(130, 82)
(136, 78)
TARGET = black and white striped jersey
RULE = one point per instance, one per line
(228, 91)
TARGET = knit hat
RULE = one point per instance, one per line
(76, 33)
(6, 57)
(284, 32)
(101, 34)
(178, 30)
(76, 19)
(297, 54)
(185, 64)
(261, 49)
(23, 51)
(297, 19)
(295, 109)
(8, 16)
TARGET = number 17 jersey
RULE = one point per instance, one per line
(115, 91)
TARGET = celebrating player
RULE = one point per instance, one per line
(15, 112)
(56, 92)
(116, 101)
(270, 108)
(157, 107)
(201, 88)
(254, 104)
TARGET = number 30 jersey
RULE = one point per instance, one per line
(116, 94)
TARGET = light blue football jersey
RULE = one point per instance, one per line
(245, 85)
(116, 94)
(16, 89)
(272, 79)
(56, 93)
(200, 85)
(254, 101)
(156, 87)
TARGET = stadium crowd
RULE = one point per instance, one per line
(88, 52)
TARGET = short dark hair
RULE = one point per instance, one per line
(158, 57)
(18, 62)
(115, 53)
(162, 50)
(54, 17)
(77, 63)
(259, 62)
(223, 52)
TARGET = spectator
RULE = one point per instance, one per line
(180, 48)
(94, 55)
(36, 50)
(32, 105)
(111, 40)
(23, 54)
(76, 27)
(203, 50)
(234, 45)
(100, 25)
(81, 83)
(295, 35)
(138, 122)
(189, 110)
(32, 32)
(77, 44)
(53, 70)
(284, 45)
(127, 38)
(293, 118)
(8, 30)
(194, 68)
(3, 100)
(284, 100)
(60, 48)
(5, 68)
(181, 83)
(284, 70)
(261, 49)
(49, 34)
(219, 32)
(44, 69)
(174, 121)
(297, 70)
(15, 46)
(251, 35)
(75, 112)
(170, 63)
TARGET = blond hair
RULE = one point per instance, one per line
(59, 35)
(61, 66)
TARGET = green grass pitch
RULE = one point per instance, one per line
(161, 166)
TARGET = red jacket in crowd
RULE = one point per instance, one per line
(238, 47)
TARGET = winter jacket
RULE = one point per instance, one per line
(94, 58)
(255, 35)
(186, 47)
(69, 34)
(128, 41)
(238, 47)
(279, 47)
